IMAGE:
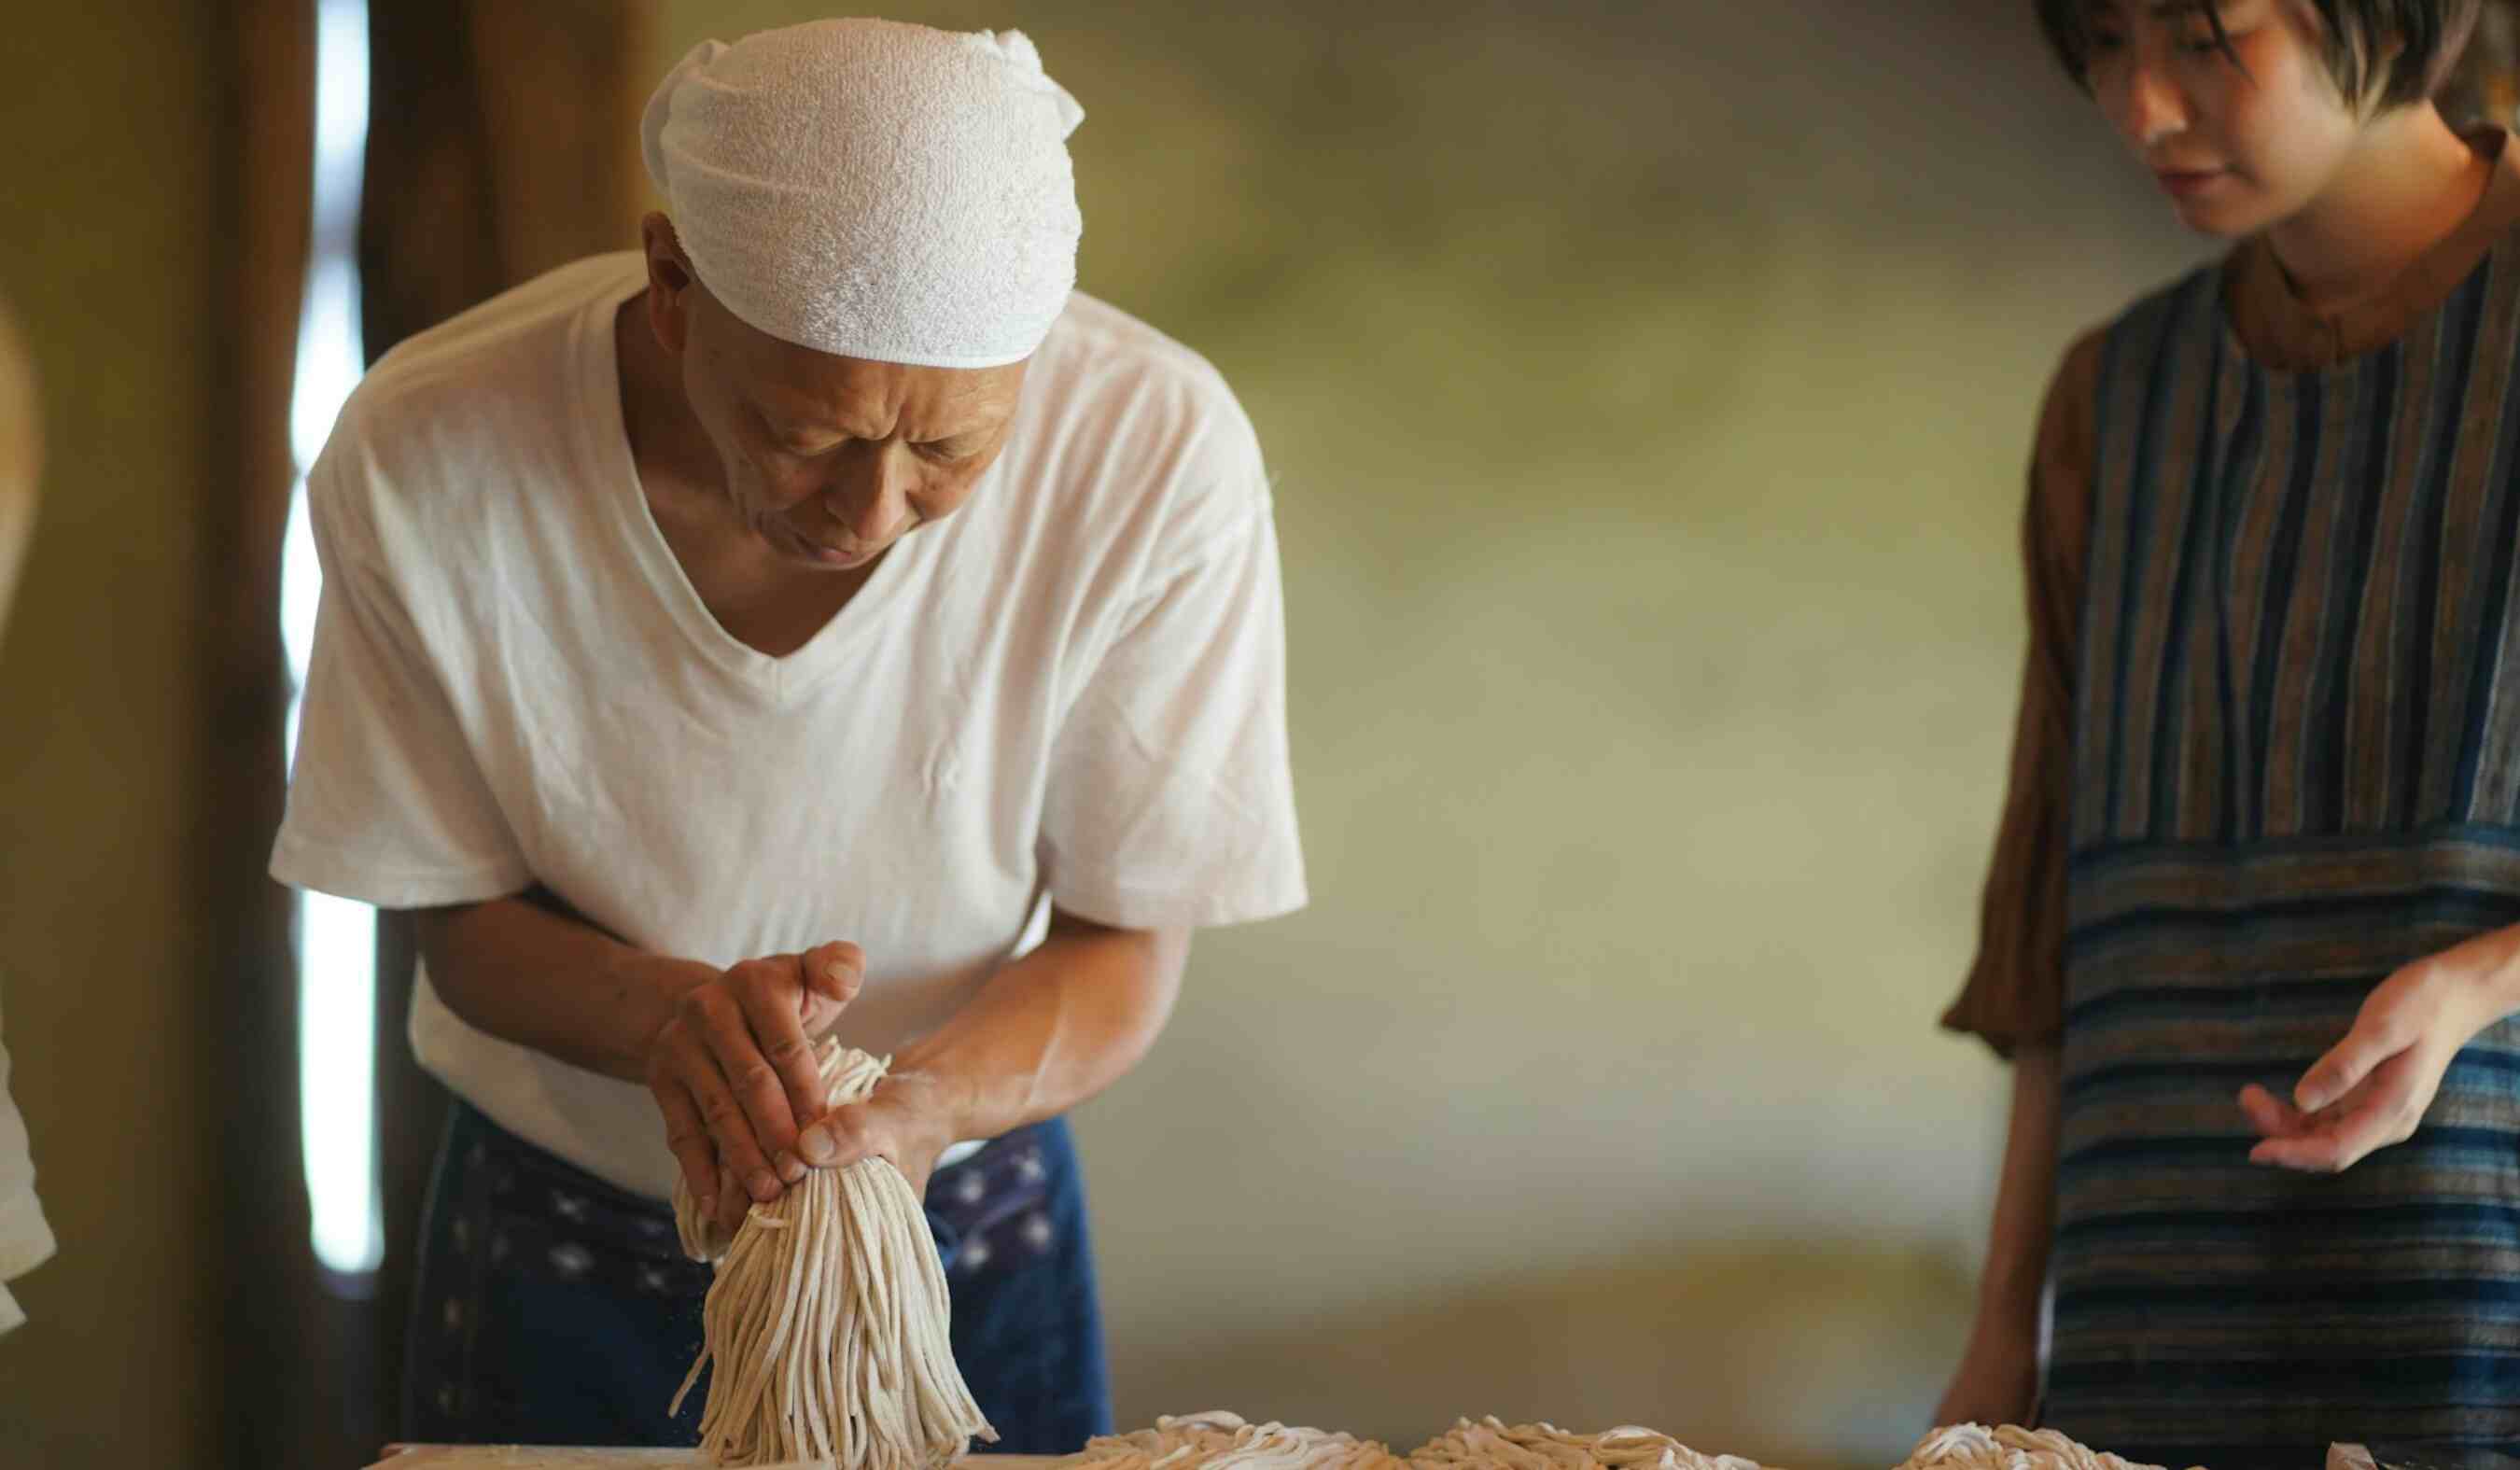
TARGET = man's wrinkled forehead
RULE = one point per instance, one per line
(800, 393)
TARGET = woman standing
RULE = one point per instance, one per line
(2250, 935)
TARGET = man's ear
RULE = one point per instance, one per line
(669, 283)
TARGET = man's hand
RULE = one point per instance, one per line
(2372, 1088)
(908, 1119)
(733, 1071)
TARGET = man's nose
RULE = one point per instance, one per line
(869, 494)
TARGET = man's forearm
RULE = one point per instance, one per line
(2025, 1202)
(527, 971)
(1045, 1034)
(1053, 1028)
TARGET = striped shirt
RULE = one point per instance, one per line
(2268, 753)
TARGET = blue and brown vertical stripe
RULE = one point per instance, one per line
(2296, 769)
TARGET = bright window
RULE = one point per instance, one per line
(337, 939)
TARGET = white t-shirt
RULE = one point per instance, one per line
(1072, 687)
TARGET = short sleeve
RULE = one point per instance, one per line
(1170, 800)
(387, 804)
(2015, 991)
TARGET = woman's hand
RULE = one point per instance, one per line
(734, 1072)
(2372, 1088)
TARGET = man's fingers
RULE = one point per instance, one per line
(733, 1204)
(687, 1136)
(750, 1081)
(837, 1139)
(695, 1065)
(769, 1001)
(835, 971)
(821, 1013)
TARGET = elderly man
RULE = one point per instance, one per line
(824, 620)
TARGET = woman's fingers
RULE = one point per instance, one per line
(2331, 1151)
(2379, 1033)
(2383, 1110)
(2314, 1142)
(2268, 1113)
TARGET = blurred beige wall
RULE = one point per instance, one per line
(1648, 388)
(119, 119)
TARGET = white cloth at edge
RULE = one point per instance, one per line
(26, 1239)
(1072, 687)
(875, 189)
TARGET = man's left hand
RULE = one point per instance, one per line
(906, 1120)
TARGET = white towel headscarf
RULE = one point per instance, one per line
(874, 189)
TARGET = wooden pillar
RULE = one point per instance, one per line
(278, 1325)
(503, 142)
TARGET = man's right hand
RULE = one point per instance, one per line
(734, 1073)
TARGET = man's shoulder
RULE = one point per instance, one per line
(471, 386)
(1101, 358)
(1142, 414)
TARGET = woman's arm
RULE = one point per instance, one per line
(1997, 1381)
(2372, 1089)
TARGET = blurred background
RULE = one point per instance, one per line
(1648, 388)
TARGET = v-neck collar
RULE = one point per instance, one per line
(894, 582)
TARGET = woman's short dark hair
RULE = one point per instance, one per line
(2434, 33)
